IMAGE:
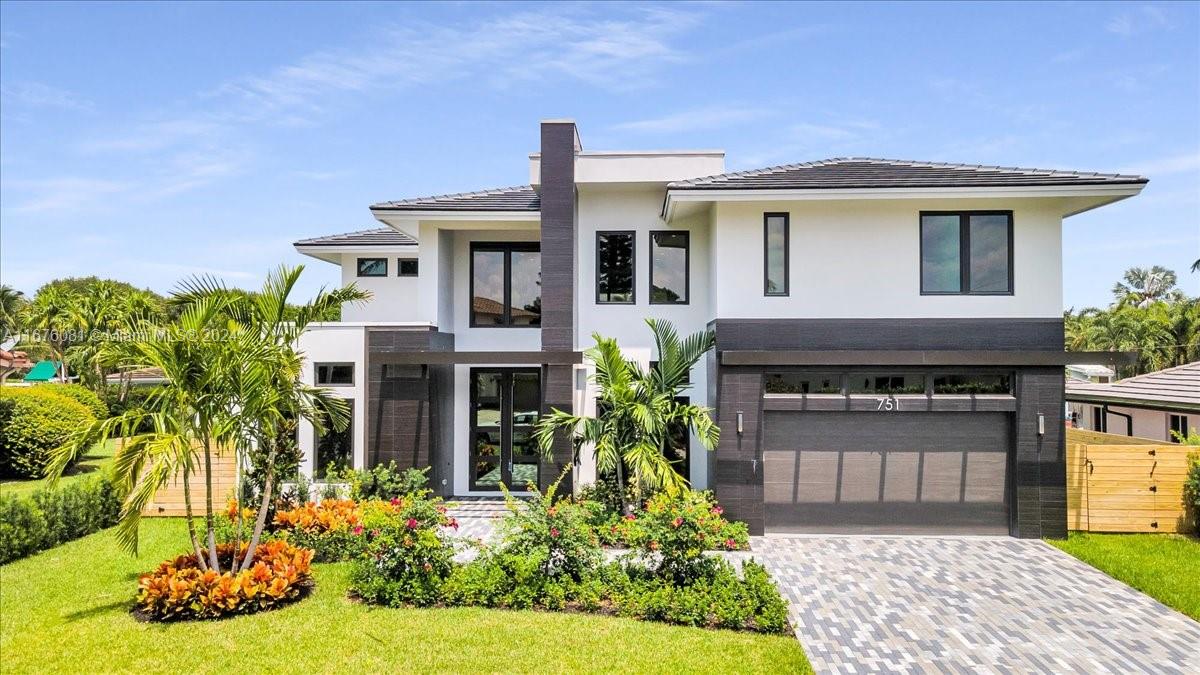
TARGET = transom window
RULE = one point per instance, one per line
(335, 374)
(615, 256)
(506, 285)
(887, 383)
(966, 253)
(372, 267)
(669, 263)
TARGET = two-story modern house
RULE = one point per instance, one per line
(889, 333)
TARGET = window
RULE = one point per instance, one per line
(615, 256)
(335, 374)
(1177, 424)
(372, 267)
(407, 267)
(891, 383)
(1099, 422)
(335, 449)
(669, 268)
(804, 383)
(775, 253)
(506, 285)
(971, 384)
(967, 253)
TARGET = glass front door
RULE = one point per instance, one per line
(505, 404)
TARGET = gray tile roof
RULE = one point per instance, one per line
(519, 198)
(870, 172)
(1177, 388)
(380, 236)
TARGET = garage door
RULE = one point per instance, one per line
(868, 472)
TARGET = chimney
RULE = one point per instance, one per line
(560, 142)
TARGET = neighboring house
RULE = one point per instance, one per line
(889, 333)
(13, 362)
(1090, 373)
(1147, 406)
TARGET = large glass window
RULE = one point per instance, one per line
(615, 255)
(804, 383)
(669, 268)
(335, 374)
(506, 285)
(372, 267)
(335, 449)
(775, 256)
(966, 253)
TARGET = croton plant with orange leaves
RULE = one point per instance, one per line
(178, 589)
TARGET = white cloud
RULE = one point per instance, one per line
(39, 95)
(1162, 166)
(1139, 20)
(713, 117)
(68, 193)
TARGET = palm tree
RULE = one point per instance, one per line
(637, 410)
(11, 302)
(51, 317)
(1143, 287)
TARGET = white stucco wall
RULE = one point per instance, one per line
(336, 343)
(861, 259)
(394, 297)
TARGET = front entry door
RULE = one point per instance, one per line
(505, 404)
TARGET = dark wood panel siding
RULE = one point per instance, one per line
(1041, 467)
(908, 334)
(558, 235)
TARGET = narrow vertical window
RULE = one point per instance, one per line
(941, 269)
(1178, 431)
(775, 257)
(669, 251)
(615, 255)
(335, 449)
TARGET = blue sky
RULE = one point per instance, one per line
(147, 142)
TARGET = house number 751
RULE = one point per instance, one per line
(887, 404)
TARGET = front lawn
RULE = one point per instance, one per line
(98, 458)
(66, 609)
(1163, 566)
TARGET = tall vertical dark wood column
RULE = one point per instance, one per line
(559, 144)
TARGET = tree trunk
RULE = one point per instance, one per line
(191, 523)
(209, 524)
(261, 520)
(625, 506)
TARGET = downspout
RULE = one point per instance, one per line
(1128, 419)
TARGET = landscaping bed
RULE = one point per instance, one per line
(74, 604)
(1164, 566)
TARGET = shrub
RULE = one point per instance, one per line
(511, 580)
(558, 532)
(408, 557)
(676, 529)
(50, 517)
(82, 395)
(386, 482)
(338, 529)
(1191, 489)
(178, 589)
(33, 422)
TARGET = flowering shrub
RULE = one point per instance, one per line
(677, 530)
(178, 589)
(407, 555)
(557, 532)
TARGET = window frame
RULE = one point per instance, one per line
(400, 267)
(632, 267)
(507, 247)
(964, 252)
(317, 373)
(1183, 428)
(358, 268)
(787, 254)
(349, 431)
(687, 268)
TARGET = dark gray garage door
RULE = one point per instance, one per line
(903, 472)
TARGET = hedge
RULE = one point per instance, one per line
(33, 422)
(50, 517)
(79, 394)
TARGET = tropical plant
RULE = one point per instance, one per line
(1144, 286)
(11, 302)
(50, 320)
(638, 409)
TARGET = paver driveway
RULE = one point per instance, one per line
(969, 605)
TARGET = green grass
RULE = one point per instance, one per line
(67, 609)
(98, 458)
(1164, 566)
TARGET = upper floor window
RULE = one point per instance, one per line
(966, 253)
(335, 374)
(406, 267)
(669, 263)
(372, 267)
(615, 255)
(506, 285)
(775, 253)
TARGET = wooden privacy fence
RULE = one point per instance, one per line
(168, 501)
(1125, 484)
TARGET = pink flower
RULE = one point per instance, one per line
(677, 522)
(453, 523)
(358, 529)
(630, 516)
(412, 523)
(730, 544)
(717, 510)
(441, 509)
(554, 532)
(395, 501)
